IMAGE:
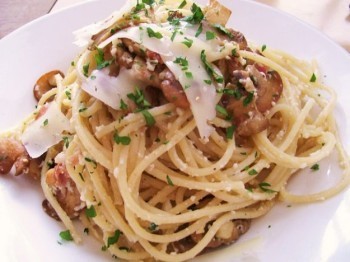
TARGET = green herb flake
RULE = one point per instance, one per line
(250, 189)
(65, 141)
(189, 75)
(263, 48)
(148, 2)
(153, 227)
(90, 212)
(210, 35)
(173, 35)
(86, 69)
(208, 81)
(68, 94)
(150, 121)
(91, 161)
(264, 186)
(152, 33)
(234, 52)
(123, 105)
(223, 30)
(199, 30)
(104, 248)
(315, 167)
(252, 172)
(170, 182)
(124, 140)
(46, 122)
(248, 99)
(188, 42)
(82, 109)
(313, 78)
(230, 131)
(66, 235)
(100, 61)
(92, 77)
(114, 239)
(139, 99)
(72, 63)
(221, 110)
(209, 68)
(183, 4)
(197, 15)
(181, 61)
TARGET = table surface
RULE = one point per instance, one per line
(330, 16)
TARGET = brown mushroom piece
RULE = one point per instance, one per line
(65, 191)
(227, 234)
(45, 83)
(248, 112)
(13, 153)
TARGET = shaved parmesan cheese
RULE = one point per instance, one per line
(110, 90)
(45, 132)
(201, 96)
(83, 35)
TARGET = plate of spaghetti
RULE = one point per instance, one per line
(173, 130)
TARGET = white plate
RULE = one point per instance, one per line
(315, 232)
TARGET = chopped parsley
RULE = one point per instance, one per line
(66, 235)
(197, 15)
(315, 167)
(221, 110)
(65, 141)
(124, 140)
(173, 35)
(248, 99)
(210, 35)
(139, 99)
(150, 121)
(82, 109)
(152, 33)
(123, 105)
(229, 131)
(187, 42)
(234, 52)
(252, 172)
(153, 227)
(189, 75)
(199, 30)
(100, 60)
(182, 62)
(209, 68)
(68, 94)
(313, 78)
(223, 30)
(86, 69)
(264, 186)
(208, 81)
(263, 48)
(170, 182)
(46, 122)
(236, 93)
(90, 212)
(114, 239)
(183, 4)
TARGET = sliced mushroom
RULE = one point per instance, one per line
(13, 153)
(45, 83)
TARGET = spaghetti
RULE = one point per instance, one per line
(169, 132)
